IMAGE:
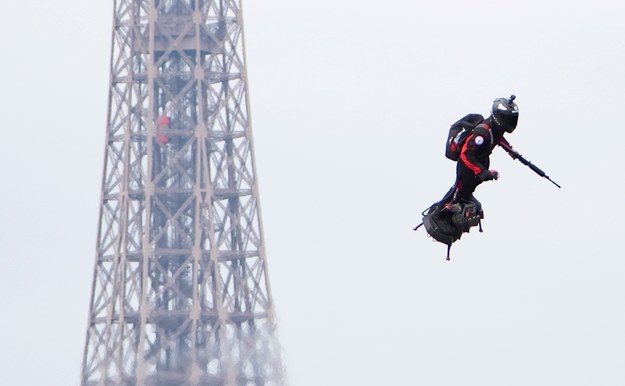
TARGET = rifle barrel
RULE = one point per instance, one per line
(527, 163)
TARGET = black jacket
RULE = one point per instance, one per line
(476, 150)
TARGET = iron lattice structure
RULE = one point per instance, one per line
(180, 292)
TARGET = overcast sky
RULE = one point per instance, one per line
(351, 102)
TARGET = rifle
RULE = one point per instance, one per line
(525, 162)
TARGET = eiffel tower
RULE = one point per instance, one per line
(180, 292)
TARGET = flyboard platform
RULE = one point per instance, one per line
(446, 224)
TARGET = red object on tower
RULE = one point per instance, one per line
(162, 120)
(162, 124)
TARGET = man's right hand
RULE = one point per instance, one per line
(488, 175)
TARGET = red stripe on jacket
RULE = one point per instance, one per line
(475, 168)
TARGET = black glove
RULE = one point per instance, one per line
(487, 175)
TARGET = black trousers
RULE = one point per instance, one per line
(466, 182)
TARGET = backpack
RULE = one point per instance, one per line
(458, 133)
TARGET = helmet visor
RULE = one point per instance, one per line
(509, 121)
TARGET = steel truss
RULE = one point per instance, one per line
(180, 293)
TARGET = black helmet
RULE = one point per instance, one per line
(505, 113)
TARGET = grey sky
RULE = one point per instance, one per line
(351, 101)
